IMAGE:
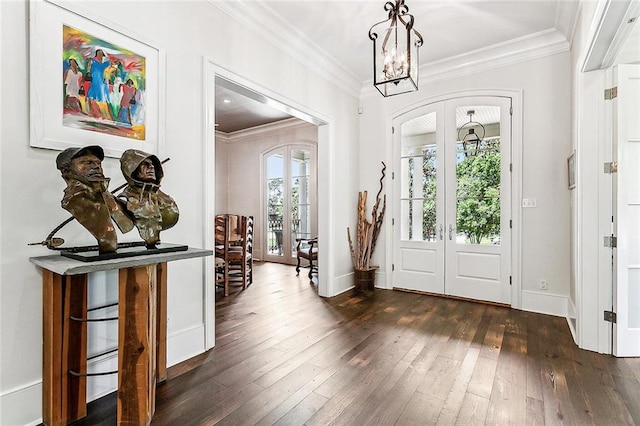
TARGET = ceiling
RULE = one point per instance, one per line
(235, 111)
(332, 35)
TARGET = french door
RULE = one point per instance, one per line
(290, 200)
(452, 187)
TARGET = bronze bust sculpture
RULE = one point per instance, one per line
(151, 209)
(87, 196)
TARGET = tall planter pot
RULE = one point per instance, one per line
(364, 279)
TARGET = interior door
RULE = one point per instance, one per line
(626, 190)
(452, 199)
(290, 189)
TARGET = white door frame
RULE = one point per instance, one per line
(516, 176)
(326, 140)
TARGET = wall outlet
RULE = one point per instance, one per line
(529, 203)
(543, 285)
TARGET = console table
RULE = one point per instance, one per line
(142, 332)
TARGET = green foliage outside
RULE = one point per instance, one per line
(275, 198)
(478, 193)
(429, 187)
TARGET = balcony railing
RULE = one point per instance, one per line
(275, 232)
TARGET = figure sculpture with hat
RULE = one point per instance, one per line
(151, 209)
(88, 198)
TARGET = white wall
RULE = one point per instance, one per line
(546, 95)
(222, 174)
(31, 187)
(244, 152)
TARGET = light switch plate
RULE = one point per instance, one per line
(528, 203)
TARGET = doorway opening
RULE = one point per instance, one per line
(217, 78)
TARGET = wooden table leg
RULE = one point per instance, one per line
(161, 331)
(52, 306)
(64, 348)
(137, 345)
(74, 347)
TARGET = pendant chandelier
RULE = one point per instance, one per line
(395, 51)
(471, 139)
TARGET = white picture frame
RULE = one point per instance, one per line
(50, 127)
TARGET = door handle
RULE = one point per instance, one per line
(450, 231)
(441, 231)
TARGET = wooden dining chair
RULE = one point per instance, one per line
(236, 252)
(248, 248)
(221, 249)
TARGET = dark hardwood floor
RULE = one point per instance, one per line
(285, 356)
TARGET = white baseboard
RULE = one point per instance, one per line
(545, 303)
(572, 320)
(345, 282)
(22, 406)
(342, 283)
(381, 279)
(185, 344)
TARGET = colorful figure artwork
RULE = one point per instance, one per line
(103, 86)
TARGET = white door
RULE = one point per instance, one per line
(478, 194)
(452, 214)
(418, 209)
(626, 145)
(290, 200)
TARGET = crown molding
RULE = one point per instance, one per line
(259, 18)
(522, 49)
(278, 126)
(567, 15)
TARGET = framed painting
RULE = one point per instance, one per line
(92, 83)
(571, 170)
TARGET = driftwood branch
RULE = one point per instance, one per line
(367, 232)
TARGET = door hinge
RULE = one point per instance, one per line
(510, 280)
(393, 221)
(510, 110)
(611, 241)
(610, 93)
(610, 316)
(611, 167)
(510, 167)
(393, 267)
(510, 223)
(393, 175)
(393, 130)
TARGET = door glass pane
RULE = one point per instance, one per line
(418, 179)
(478, 175)
(275, 203)
(300, 196)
